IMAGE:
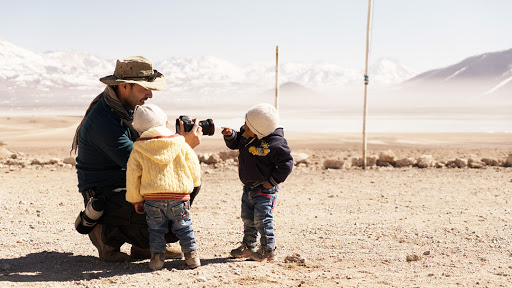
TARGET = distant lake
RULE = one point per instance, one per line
(333, 122)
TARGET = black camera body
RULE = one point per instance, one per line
(207, 125)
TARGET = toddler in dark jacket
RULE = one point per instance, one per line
(264, 161)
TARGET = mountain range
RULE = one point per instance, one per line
(492, 67)
(480, 84)
(70, 79)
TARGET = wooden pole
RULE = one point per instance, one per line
(366, 81)
(277, 84)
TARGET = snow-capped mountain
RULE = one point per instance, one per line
(21, 68)
(70, 78)
(388, 71)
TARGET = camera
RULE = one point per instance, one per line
(88, 218)
(207, 125)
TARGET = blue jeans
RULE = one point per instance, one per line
(159, 213)
(257, 207)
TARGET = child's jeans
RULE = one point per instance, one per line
(257, 207)
(159, 213)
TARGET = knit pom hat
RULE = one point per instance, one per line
(148, 116)
(262, 119)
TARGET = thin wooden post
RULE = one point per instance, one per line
(366, 81)
(277, 83)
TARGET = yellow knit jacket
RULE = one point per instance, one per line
(162, 166)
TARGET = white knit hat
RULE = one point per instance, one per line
(148, 116)
(262, 119)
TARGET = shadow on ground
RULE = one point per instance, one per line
(62, 267)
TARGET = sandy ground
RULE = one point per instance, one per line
(383, 227)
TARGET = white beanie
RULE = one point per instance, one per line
(148, 116)
(262, 119)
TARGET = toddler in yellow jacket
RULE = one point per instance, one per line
(161, 172)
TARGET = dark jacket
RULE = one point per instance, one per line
(104, 147)
(263, 159)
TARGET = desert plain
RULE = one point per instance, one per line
(348, 227)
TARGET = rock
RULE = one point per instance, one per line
(413, 257)
(472, 163)
(384, 163)
(451, 164)
(440, 165)
(54, 161)
(229, 154)
(333, 164)
(425, 161)
(461, 163)
(209, 158)
(357, 162)
(299, 158)
(490, 162)
(405, 162)
(508, 162)
(36, 162)
(5, 153)
(387, 156)
(17, 162)
(69, 160)
(295, 258)
(370, 161)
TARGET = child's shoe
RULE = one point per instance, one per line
(263, 254)
(192, 259)
(157, 261)
(243, 251)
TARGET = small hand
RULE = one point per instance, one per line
(139, 207)
(266, 184)
(227, 131)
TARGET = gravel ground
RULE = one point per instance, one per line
(384, 227)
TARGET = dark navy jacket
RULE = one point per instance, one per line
(104, 147)
(263, 159)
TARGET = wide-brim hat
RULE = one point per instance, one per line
(138, 70)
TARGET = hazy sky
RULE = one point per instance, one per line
(422, 34)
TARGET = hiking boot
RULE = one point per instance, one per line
(95, 236)
(139, 253)
(112, 254)
(106, 253)
(192, 259)
(243, 251)
(157, 261)
(263, 254)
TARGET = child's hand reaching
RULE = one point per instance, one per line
(139, 207)
(227, 131)
(266, 184)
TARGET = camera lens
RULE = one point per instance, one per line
(208, 127)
